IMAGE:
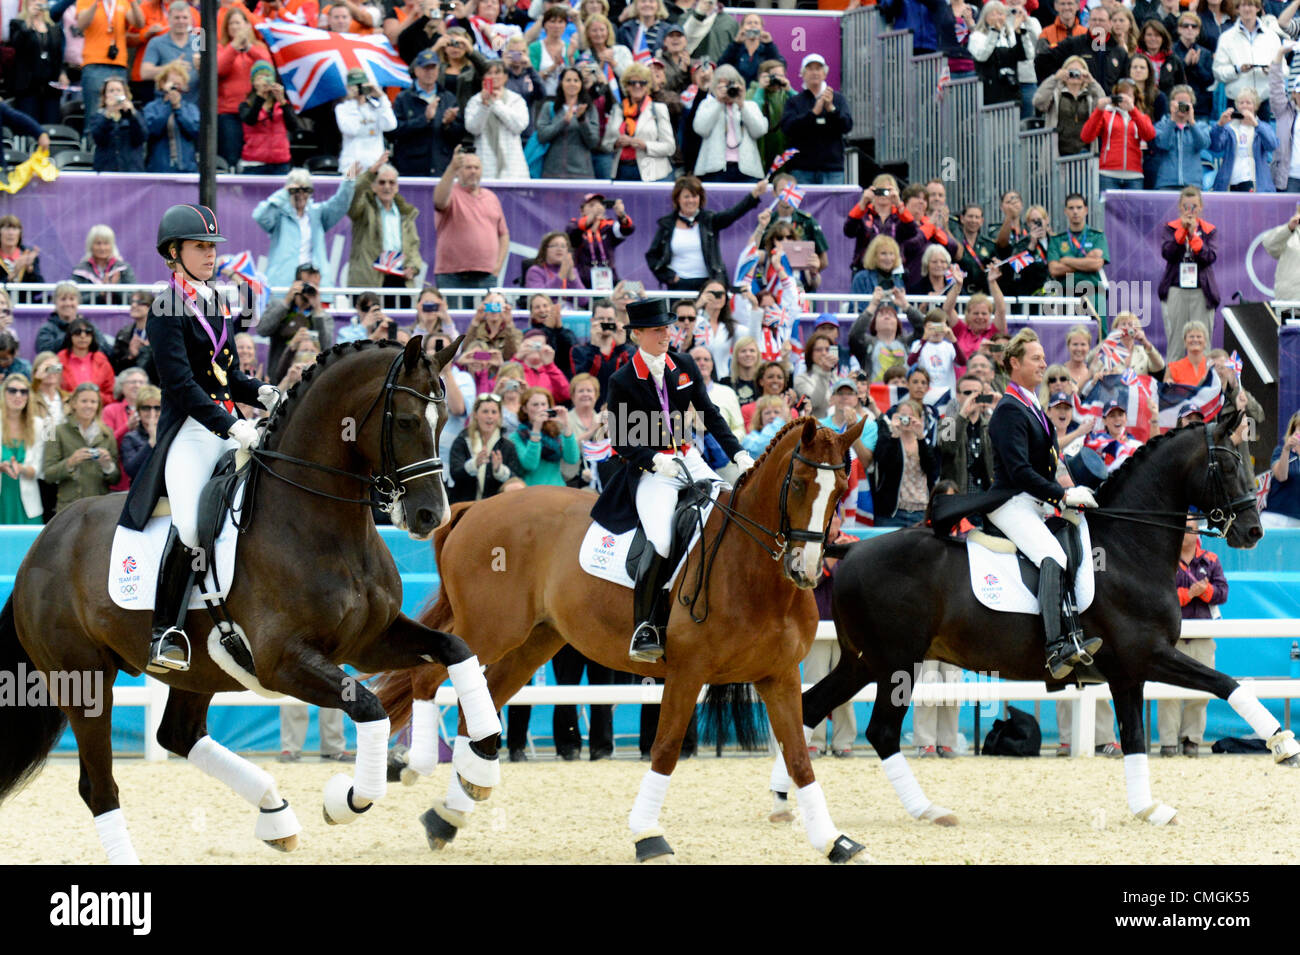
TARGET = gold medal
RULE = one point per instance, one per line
(219, 373)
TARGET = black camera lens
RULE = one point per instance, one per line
(309, 290)
(733, 89)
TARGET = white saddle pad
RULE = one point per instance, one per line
(133, 568)
(603, 554)
(995, 577)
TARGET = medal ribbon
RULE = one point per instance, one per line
(191, 299)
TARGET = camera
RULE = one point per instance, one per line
(308, 289)
(1237, 114)
(551, 413)
(609, 326)
(886, 284)
(861, 376)
(984, 399)
(734, 90)
(492, 308)
(776, 81)
(905, 420)
(1074, 74)
(883, 192)
(95, 453)
(1183, 107)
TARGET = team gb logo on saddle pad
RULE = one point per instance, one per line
(991, 592)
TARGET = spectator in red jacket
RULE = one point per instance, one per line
(83, 360)
(237, 51)
(1202, 587)
(540, 370)
(1122, 126)
(268, 122)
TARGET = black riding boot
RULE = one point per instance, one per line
(170, 649)
(647, 607)
(1060, 648)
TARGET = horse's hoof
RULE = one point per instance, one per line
(474, 791)
(780, 808)
(287, 844)
(939, 816)
(1292, 761)
(844, 849)
(278, 827)
(397, 769)
(408, 777)
(1158, 814)
(653, 847)
(339, 809)
(439, 831)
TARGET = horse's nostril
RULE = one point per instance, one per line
(424, 516)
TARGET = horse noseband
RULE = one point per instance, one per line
(787, 534)
(1227, 512)
(391, 484)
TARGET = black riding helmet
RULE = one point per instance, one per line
(186, 221)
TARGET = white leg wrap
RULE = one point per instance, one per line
(899, 774)
(649, 800)
(816, 817)
(457, 799)
(475, 701)
(423, 754)
(111, 827)
(1137, 779)
(370, 780)
(781, 781)
(1248, 707)
(251, 782)
(475, 769)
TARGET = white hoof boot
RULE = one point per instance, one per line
(1158, 814)
(938, 815)
(1284, 747)
(278, 827)
(478, 776)
(340, 809)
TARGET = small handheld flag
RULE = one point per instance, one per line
(390, 263)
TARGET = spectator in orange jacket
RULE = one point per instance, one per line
(83, 361)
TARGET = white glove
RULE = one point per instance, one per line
(269, 396)
(666, 464)
(744, 460)
(1078, 496)
(244, 432)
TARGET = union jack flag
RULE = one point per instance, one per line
(689, 94)
(390, 263)
(773, 314)
(243, 267)
(745, 266)
(1114, 354)
(781, 160)
(1020, 261)
(1113, 451)
(962, 30)
(941, 87)
(790, 194)
(641, 50)
(314, 64)
(1207, 398)
(1235, 361)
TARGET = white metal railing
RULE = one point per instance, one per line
(153, 695)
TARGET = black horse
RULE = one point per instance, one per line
(927, 610)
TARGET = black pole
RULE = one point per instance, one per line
(208, 104)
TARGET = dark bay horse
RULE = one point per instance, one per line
(513, 590)
(905, 596)
(315, 588)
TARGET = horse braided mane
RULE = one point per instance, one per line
(771, 446)
(1123, 475)
(293, 397)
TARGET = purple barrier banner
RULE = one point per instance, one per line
(56, 217)
(1134, 231)
(797, 33)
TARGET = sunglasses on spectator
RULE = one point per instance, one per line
(1058, 377)
(968, 394)
(489, 396)
(15, 391)
(81, 331)
(634, 83)
(301, 191)
(385, 182)
(150, 408)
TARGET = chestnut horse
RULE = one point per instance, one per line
(315, 587)
(513, 591)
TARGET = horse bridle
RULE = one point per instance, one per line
(392, 480)
(1225, 513)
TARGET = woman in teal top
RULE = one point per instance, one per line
(21, 447)
(545, 440)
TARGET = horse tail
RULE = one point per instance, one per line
(27, 733)
(739, 705)
(396, 691)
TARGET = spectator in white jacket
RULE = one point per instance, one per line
(497, 118)
(1283, 243)
(363, 118)
(1245, 51)
(729, 127)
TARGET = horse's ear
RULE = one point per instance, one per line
(1225, 424)
(448, 354)
(809, 431)
(852, 434)
(414, 349)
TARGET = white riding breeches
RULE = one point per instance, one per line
(193, 454)
(656, 499)
(1021, 519)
